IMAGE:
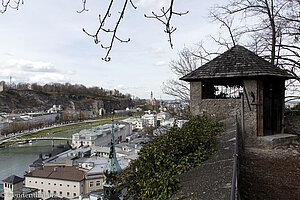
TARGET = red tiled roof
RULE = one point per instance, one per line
(71, 173)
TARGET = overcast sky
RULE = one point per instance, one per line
(43, 42)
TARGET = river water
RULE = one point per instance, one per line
(16, 159)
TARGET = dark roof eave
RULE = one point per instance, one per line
(236, 62)
(13, 179)
(255, 76)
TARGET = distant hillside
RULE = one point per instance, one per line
(27, 100)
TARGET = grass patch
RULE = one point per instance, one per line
(6, 144)
(60, 129)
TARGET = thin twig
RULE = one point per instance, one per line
(83, 7)
(10, 4)
(165, 18)
(113, 31)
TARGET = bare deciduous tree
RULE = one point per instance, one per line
(189, 60)
(186, 63)
(269, 28)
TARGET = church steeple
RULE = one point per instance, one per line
(112, 167)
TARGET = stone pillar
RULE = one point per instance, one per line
(195, 97)
(1, 86)
(251, 102)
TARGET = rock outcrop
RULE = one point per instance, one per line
(31, 101)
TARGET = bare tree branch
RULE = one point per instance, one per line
(10, 4)
(271, 29)
(189, 60)
(165, 18)
(228, 25)
(98, 36)
(177, 89)
(112, 31)
(83, 7)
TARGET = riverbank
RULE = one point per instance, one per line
(56, 129)
(17, 158)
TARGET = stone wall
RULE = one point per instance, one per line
(1, 86)
(226, 109)
(292, 124)
(219, 109)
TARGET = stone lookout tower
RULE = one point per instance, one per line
(216, 86)
(12, 187)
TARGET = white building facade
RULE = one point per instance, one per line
(60, 182)
(150, 119)
(101, 135)
(136, 123)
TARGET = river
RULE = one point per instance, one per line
(17, 158)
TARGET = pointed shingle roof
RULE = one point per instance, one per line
(236, 62)
(13, 179)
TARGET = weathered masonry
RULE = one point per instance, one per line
(216, 86)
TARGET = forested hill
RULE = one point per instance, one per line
(28, 98)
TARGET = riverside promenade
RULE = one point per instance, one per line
(18, 136)
(212, 179)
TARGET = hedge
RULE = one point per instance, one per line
(153, 174)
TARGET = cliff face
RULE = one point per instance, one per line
(29, 100)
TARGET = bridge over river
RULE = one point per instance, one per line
(27, 140)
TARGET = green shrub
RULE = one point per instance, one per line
(153, 174)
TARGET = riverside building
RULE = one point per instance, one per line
(63, 181)
(79, 177)
(101, 135)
